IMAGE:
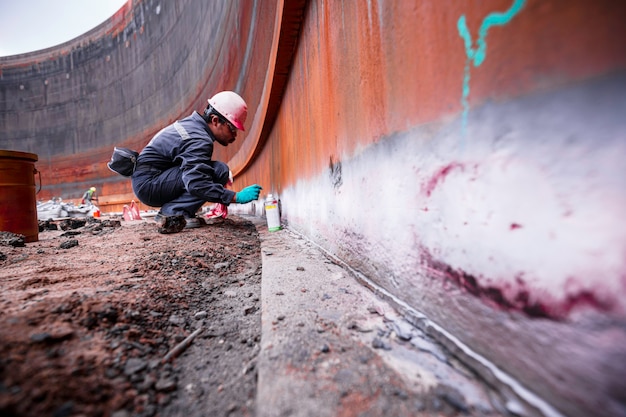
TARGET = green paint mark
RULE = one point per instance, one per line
(477, 55)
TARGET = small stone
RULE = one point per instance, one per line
(177, 320)
(194, 390)
(145, 384)
(39, 337)
(134, 365)
(55, 335)
(12, 239)
(403, 330)
(221, 265)
(360, 327)
(165, 384)
(379, 344)
(69, 244)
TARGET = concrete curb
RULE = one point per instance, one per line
(330, 347)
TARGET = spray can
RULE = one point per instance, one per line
(272, 214)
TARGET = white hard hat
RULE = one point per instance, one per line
(230, 105)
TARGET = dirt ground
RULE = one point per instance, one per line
(106, 317)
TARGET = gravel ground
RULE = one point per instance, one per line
(105, 317)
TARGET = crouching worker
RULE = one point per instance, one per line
(89, 197)
(175, 171)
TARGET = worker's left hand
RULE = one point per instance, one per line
(248, 194)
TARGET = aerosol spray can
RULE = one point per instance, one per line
(272, 214)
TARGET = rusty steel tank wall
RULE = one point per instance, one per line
(466, 160)
(117, 85)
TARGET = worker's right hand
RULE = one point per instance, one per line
(248, 194)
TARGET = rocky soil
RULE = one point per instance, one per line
(106, 317)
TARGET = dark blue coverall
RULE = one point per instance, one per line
(175, 171)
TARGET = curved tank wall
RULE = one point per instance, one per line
(464, 159)
(120, 83)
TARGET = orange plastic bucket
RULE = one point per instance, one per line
(18, 204)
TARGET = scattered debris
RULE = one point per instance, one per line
(378, 343)
(57, 209)
(84, 330)
(12, 239)
(69, 244)
(179, 348)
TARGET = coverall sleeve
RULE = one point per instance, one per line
(198, 174)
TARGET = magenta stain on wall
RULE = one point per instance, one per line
(534, 304)
(439, 176)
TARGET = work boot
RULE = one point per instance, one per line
(170, 224)
(194, 222)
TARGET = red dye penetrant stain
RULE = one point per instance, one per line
(539, 307)
(438, 177)
(515, 226)
(524, 303)
(586, 298)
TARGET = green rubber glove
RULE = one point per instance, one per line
(248, 194)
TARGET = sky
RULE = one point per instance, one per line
(31, 25)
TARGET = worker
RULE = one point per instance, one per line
(89, 197)
(175, 171)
